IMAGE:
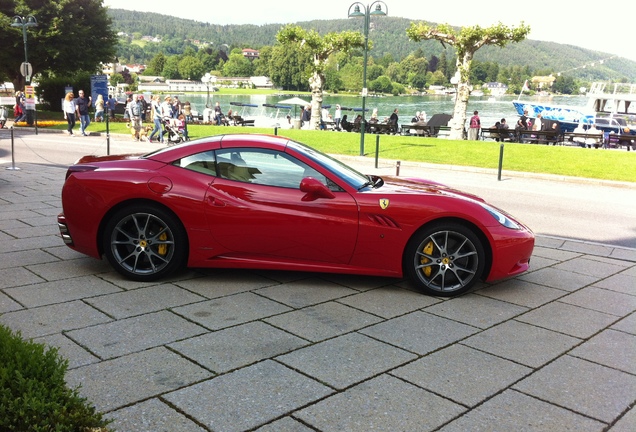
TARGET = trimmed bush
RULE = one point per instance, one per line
(33, 393)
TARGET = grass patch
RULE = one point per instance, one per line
(536, 158)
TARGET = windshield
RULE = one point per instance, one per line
(345, 172)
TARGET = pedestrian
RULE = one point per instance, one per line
(144, 107)
(176, 107)
(217, 114)
(134, 109)
(99, 108)
(475, 125)
(112, 105)
(393, 122)
(83, 103)
(69, 109)
(337, 116)
(155, 109)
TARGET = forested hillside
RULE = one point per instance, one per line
(388, 36)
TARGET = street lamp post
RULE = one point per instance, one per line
(367, 23)
(26, 68)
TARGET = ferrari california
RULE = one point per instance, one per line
(268, 202)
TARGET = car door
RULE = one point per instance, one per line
(255, 208)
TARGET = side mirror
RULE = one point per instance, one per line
(314, 189)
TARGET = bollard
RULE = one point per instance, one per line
(501, 151)
(275, 130)
(397, 169)
(12, 167)
(377, 149)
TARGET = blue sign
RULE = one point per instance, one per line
(99, 85)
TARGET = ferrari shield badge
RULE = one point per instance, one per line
(384, 203)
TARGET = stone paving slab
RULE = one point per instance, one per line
(212, 350)
(513, 411)
(249, 397)
(346, 360)
(584, 387)
(384, 403)
(119, 382)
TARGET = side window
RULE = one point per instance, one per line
(264, 167)
(201, 162)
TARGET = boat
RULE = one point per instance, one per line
(609, 106)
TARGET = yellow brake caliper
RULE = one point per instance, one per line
(163, 248)
(428, 250)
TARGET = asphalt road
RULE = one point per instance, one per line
(579, 209)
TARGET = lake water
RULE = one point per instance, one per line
(489, 111)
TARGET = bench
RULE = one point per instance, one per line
(539, 137)
(618, 140)
(498, 134)
(582, 139)
(240, 121)
(381, 128)
(420, 130)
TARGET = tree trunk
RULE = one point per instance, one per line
(316, 83)
(458, 121)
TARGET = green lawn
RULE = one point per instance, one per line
(616, 165)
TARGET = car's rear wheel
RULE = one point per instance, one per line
(445, 259)
(145, 242)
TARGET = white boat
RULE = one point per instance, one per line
(609, 106)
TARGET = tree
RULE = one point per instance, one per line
(238, 66)
(320, 49)
(71, 36)
(466, 42)
(191, 68)
(287, 67)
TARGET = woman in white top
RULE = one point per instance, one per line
(337, 116)
(69, 112)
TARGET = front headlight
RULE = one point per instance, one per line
(501, 218)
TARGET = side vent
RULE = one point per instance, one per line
(382, 220)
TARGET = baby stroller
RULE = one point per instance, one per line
(173, 131)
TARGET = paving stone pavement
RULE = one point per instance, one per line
(224, 350)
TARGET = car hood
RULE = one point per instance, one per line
(418, 186)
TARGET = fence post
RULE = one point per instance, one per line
(501, 152)
(377, 149)
(275, 130)
(397, 169)
(12, 167)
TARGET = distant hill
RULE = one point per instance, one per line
(388, 35)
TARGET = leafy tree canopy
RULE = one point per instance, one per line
(71, 36)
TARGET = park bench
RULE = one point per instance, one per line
(240, 121)
(582, 139)
(420, 130)
(539, 137)
(498, 134)
(615, 140)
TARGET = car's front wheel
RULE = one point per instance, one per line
(145, 242)
(445, 259)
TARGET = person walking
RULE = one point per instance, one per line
(83, 103)
(134, 109)
(112, 105)
(99, 108)
(337, 116)
(475, 125)
(69, 109)
(217, 114)
(155, 109)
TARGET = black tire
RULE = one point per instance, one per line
(444, 259)
(145, 242)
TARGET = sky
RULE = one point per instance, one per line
(593, 26)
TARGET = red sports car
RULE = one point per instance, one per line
(267, 202)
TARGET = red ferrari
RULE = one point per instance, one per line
(267, 202)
